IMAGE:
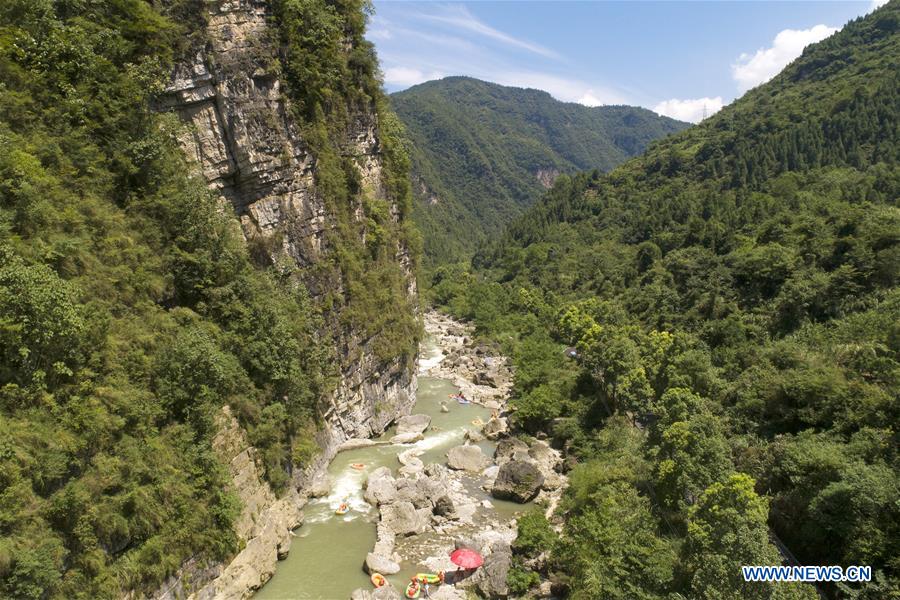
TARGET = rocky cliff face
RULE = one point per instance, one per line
(264, 526)
(241, 135)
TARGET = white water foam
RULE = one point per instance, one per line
(439, 439)
(347, 488)
(430, 358)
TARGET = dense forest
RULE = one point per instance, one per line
(731, 298)
(131, 309)
(481, 153)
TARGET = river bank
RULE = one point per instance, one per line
(444, 477)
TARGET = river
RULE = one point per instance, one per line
(326, 558)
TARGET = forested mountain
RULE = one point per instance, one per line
(135, 305)
(732, 296)
(481, 153)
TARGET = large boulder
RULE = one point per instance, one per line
(401, 518)
(549, 462)
(517, 480)
(491, 577)
(510, 448)
(432, 487)
(488, 476)
(354, 443)
(413, 424)
(408, 456)
(495, 428)
(320, 486)
(444, 507)
(467, 458)
(407, 438)
(485, 378)
(473, 436)
(381, 487)
(381, 564)
(412, 467)
(414, 491)
(544, 455)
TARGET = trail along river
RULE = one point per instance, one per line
(326, 559)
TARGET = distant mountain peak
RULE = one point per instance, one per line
(483, 152)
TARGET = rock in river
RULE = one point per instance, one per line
(407, 438)
(381, 564)
(517, 480)
(401, 518)
(495, 428)
(413, 424)
(320, 486)
(381, 488)
(467, 458)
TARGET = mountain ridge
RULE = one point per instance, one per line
(732, 299)
(482, 152)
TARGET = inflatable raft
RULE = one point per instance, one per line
(432, 578)
(413, 589)
(378, 580)
(343, 509)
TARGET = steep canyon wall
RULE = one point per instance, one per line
(245, 142)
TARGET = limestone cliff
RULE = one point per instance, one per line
(263, 526)
(241, 134)
(242, 137)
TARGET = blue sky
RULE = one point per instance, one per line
(677, 57)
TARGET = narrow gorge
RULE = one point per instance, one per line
(445, 477)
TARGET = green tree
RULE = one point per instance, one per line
(727, 529)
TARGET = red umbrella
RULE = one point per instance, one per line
(466, 558)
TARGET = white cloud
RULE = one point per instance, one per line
(691, 110)
(877, 4)
(751, 70)
(380, 33)
(460, 17)
(589, 99)
(406, 76)
(433, 41)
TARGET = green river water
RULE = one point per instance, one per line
(326, 557)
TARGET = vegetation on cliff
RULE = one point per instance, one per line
(482, 153)
(732, 297)
(130, 309)
(333, 90)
